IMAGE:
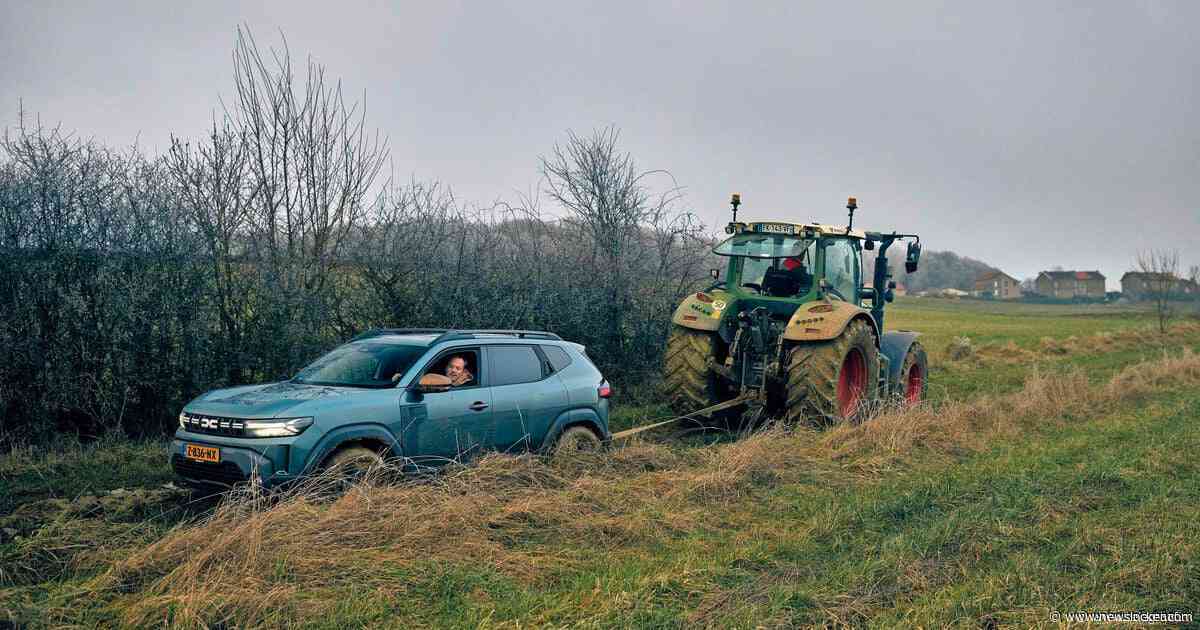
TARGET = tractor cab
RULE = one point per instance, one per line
(793, 301)
(797, 263)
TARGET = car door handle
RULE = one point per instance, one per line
(478, 405)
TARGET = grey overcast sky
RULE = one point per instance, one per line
(1025, 134)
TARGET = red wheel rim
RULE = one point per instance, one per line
(914, 384)
(852, 382)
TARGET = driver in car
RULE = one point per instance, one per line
(456, 371)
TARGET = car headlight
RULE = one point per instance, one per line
(277, 427)
(183, 420)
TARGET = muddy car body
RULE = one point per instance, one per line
(527, 388)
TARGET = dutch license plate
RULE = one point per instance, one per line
(203, 453)
(775, 228)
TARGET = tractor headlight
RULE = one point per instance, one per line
(277, 427)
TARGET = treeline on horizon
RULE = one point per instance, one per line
(938, 270)
(130, 283)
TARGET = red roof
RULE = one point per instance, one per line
(1074, 275)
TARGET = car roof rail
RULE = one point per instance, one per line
(452, 335)
(399, 331)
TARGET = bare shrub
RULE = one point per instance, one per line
(959, 348)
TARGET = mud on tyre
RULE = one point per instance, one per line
(689, 384)
(833, 380)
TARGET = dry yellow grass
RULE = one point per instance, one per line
(266, 555)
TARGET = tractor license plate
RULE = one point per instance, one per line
(203, 453)
(775, 228)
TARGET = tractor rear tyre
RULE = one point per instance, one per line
(689, 384)
(833, 380)
(914, 375)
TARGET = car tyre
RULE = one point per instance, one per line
(577, 439)
(351, 464)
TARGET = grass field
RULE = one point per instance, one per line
(1054, 469)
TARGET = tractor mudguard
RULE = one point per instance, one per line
(699, 315)
(894, 345)
(824, 320)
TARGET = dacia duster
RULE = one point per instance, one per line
(384, 394)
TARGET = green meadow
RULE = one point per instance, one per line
(1053, 470)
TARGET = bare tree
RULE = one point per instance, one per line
(212, 179)
(311, 164)
(1161, 276)
(608, 200)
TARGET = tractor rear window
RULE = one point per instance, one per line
(762, 246)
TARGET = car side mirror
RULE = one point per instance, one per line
(715, 273)
(433, 383)
(912, 257)
(868, 244)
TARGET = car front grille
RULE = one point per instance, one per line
(226, 473)
(213, 425)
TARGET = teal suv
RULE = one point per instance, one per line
(387, 394)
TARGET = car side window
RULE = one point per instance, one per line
(514, 364)
(557, 357)
(472, 365)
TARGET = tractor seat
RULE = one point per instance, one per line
(780, 283)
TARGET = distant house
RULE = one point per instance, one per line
(998, 285)
(1138, 285)
(898, 291)
(1070, 285)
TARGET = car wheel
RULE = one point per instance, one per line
(577, 439)
(351, 464)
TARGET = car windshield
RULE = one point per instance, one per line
(361, 365)
(762, 246)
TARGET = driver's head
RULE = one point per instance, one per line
(457, 366)
(793, 263)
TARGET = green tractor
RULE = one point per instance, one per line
(788, 333)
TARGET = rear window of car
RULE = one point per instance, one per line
(514, 364)
(558, 357)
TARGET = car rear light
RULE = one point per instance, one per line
(605, 390)
(704, 298)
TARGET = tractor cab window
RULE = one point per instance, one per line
(762, 246)
(780, 277)
(842, 268)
